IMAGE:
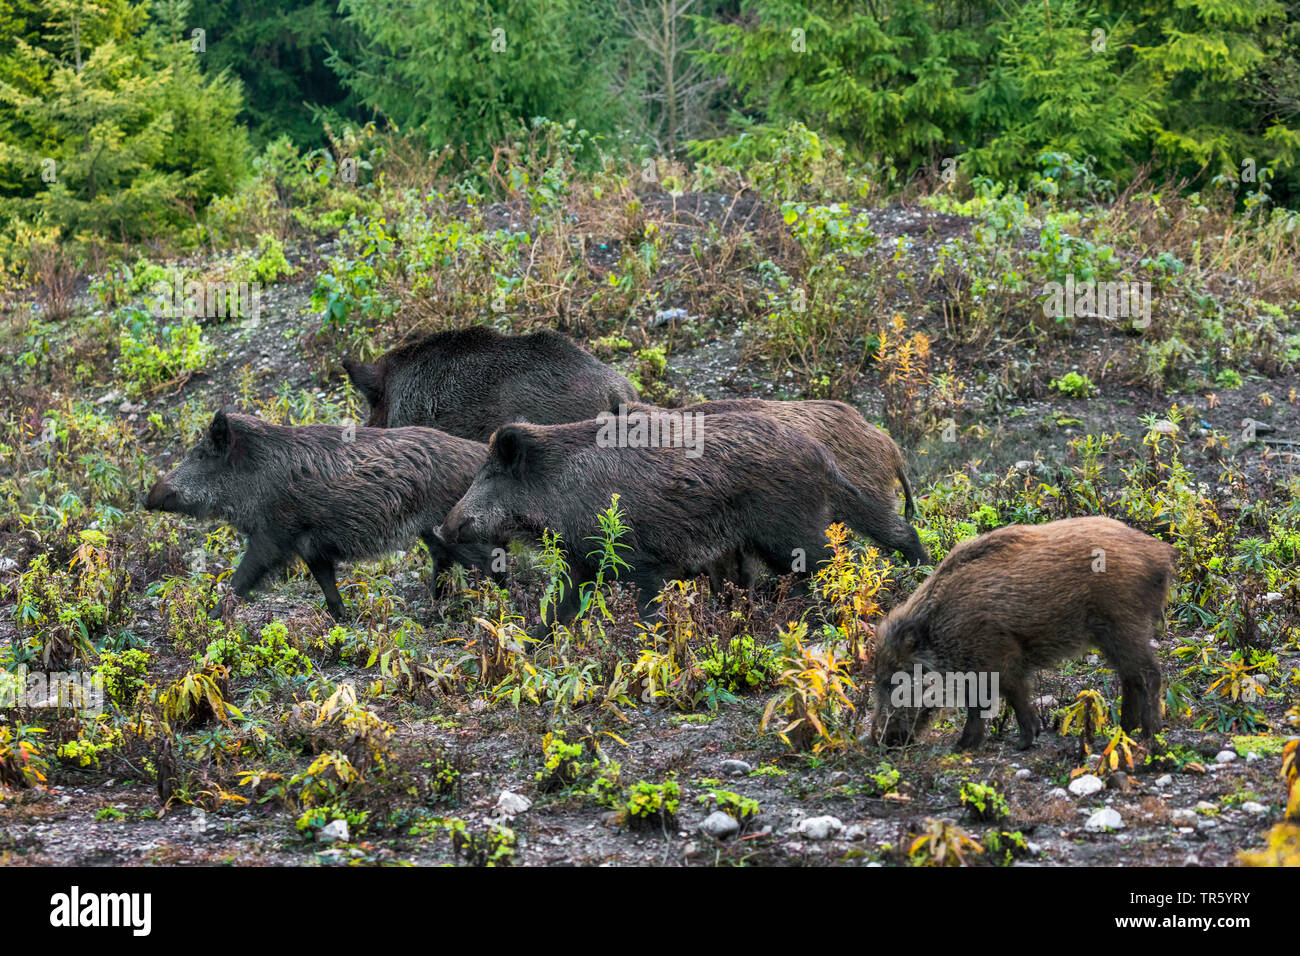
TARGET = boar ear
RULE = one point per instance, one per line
(910, 636)
(513, 447)
(224, 432)
(219, 431)
(366, 378)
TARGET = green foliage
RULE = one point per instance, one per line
(1074, 385)
(884, 779)
(108, 127)
(123, 674)
(94, 739)
(562, 763)
(154, 357)
(983, 802)
(63, 613)
(645, 805)
(608, 561)
(1005, 847)
(494, 846)
(988, 84)
(741, 664)
(470, 74)
(742, 809)
(648, 375)
(268, 264)
(890, 81)
(1055, 84)
(273, 653)
(292, 191)
(277, 49)
(22, 759)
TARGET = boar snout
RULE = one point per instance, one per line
(458, 526)
(892, 729)
(160, 497)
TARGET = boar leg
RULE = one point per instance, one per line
(1140, 706)
(438, 554)
(566, 609)
(322, 569)
(260, 558)
(972, 735)
(648, 584)
(1139, 674)
(441, 555)
(1018, 696)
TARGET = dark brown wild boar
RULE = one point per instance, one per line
(469, 382)
(324, 493)
(1020, 599)
(734, 483)
(865, 454)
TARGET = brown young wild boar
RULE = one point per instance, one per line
(732, 484)
(469, 382)
(324, 493)
(866, 455)
(1020, 599)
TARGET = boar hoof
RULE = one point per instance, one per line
(218, 611)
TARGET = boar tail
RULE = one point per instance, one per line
(909, 509)
(876, 520)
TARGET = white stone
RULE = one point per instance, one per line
(1107, 819)
(719, 825)
(1022, 774)
(1251, 806)
(1164, 780)
(511, 804)
(1225, 756)
(735, 768)
(819, 828)
(1183, 818)
(1057, 793)
(1086, 785)
(336, 831)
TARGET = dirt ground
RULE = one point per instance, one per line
(1200, 814)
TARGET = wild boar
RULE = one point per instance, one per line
(866, 455)
(324, 493)
(1020, 599)
(692, 490)
(469, 382)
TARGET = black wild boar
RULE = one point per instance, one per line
(469, 382)
(324, 493)
(866, 455)
(735, 484)
(1020, 599)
